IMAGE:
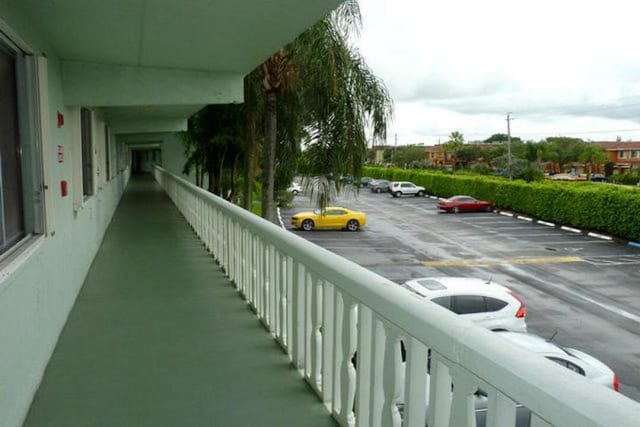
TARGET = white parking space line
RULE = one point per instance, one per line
(600, 236)
(532, 235)
(569, 243)
(524, 218)
(506, 213)
(521, 226)
(548, 224)
(571, 229)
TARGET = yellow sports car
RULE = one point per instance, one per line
(333, 217)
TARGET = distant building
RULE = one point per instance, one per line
(625, 155)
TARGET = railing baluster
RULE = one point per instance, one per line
(297, 337)
(416, 383)
(439, 392)
(501, 409)
(536, 421)
(345, 375)
(271, 291)
(265, 283)
(315, 376)
(463, 412)
(364, 364)
(276, 295)
(308, 322)
(391, 376)
(282, 302)
(329, 321)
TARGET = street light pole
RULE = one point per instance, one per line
(509, 145)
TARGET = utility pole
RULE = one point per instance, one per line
(395, 148)
(509, 145)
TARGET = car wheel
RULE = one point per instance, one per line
(307, 225)
(353, 225)
(295, 192)
(455, 209)
(397, 194)
(378, 190)
(420, 193)
(489, 209)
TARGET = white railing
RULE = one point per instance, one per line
(321, 307)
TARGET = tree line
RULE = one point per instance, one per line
(491, 155)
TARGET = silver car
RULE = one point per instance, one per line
(405, 188)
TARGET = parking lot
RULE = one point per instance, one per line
(584, 288)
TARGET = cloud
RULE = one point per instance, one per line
(466, 64)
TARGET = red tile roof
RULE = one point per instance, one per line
(619, 145)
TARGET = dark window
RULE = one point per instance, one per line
(12, 225)
(87, 152)
(107, 153)
(443, 302)
(467, 304)
(494, 304)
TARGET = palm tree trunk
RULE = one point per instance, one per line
(234, 177)
(269, 159)
(250, 164)
(212, 178)
(220, 171)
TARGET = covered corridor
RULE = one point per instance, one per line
(160, 337)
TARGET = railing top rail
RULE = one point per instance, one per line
(552, 392)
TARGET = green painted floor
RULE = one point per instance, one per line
(159, 337)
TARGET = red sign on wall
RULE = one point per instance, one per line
(60, 154)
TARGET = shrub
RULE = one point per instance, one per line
(610, 209)
(625, 178)
(481, 168)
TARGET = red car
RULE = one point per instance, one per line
(457, 204)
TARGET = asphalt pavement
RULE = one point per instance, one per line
(583, 289)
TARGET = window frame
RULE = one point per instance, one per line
(31, 109)
(86, 150)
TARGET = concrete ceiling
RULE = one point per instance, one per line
(150, 64)
(206, 35)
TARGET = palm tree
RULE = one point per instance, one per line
(592, 155)
(326, 92)
(454, 145)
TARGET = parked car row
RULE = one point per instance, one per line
(485, 302)
(497, 308)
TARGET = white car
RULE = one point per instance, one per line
(294, 188)
(405, 188)
(482, 301)
(572, 359)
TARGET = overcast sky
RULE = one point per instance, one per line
(561, 67)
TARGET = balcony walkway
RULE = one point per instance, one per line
(159, 337)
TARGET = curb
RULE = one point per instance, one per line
(570, 229)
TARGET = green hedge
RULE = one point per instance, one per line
(609, 209)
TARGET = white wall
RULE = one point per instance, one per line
(38, 287)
